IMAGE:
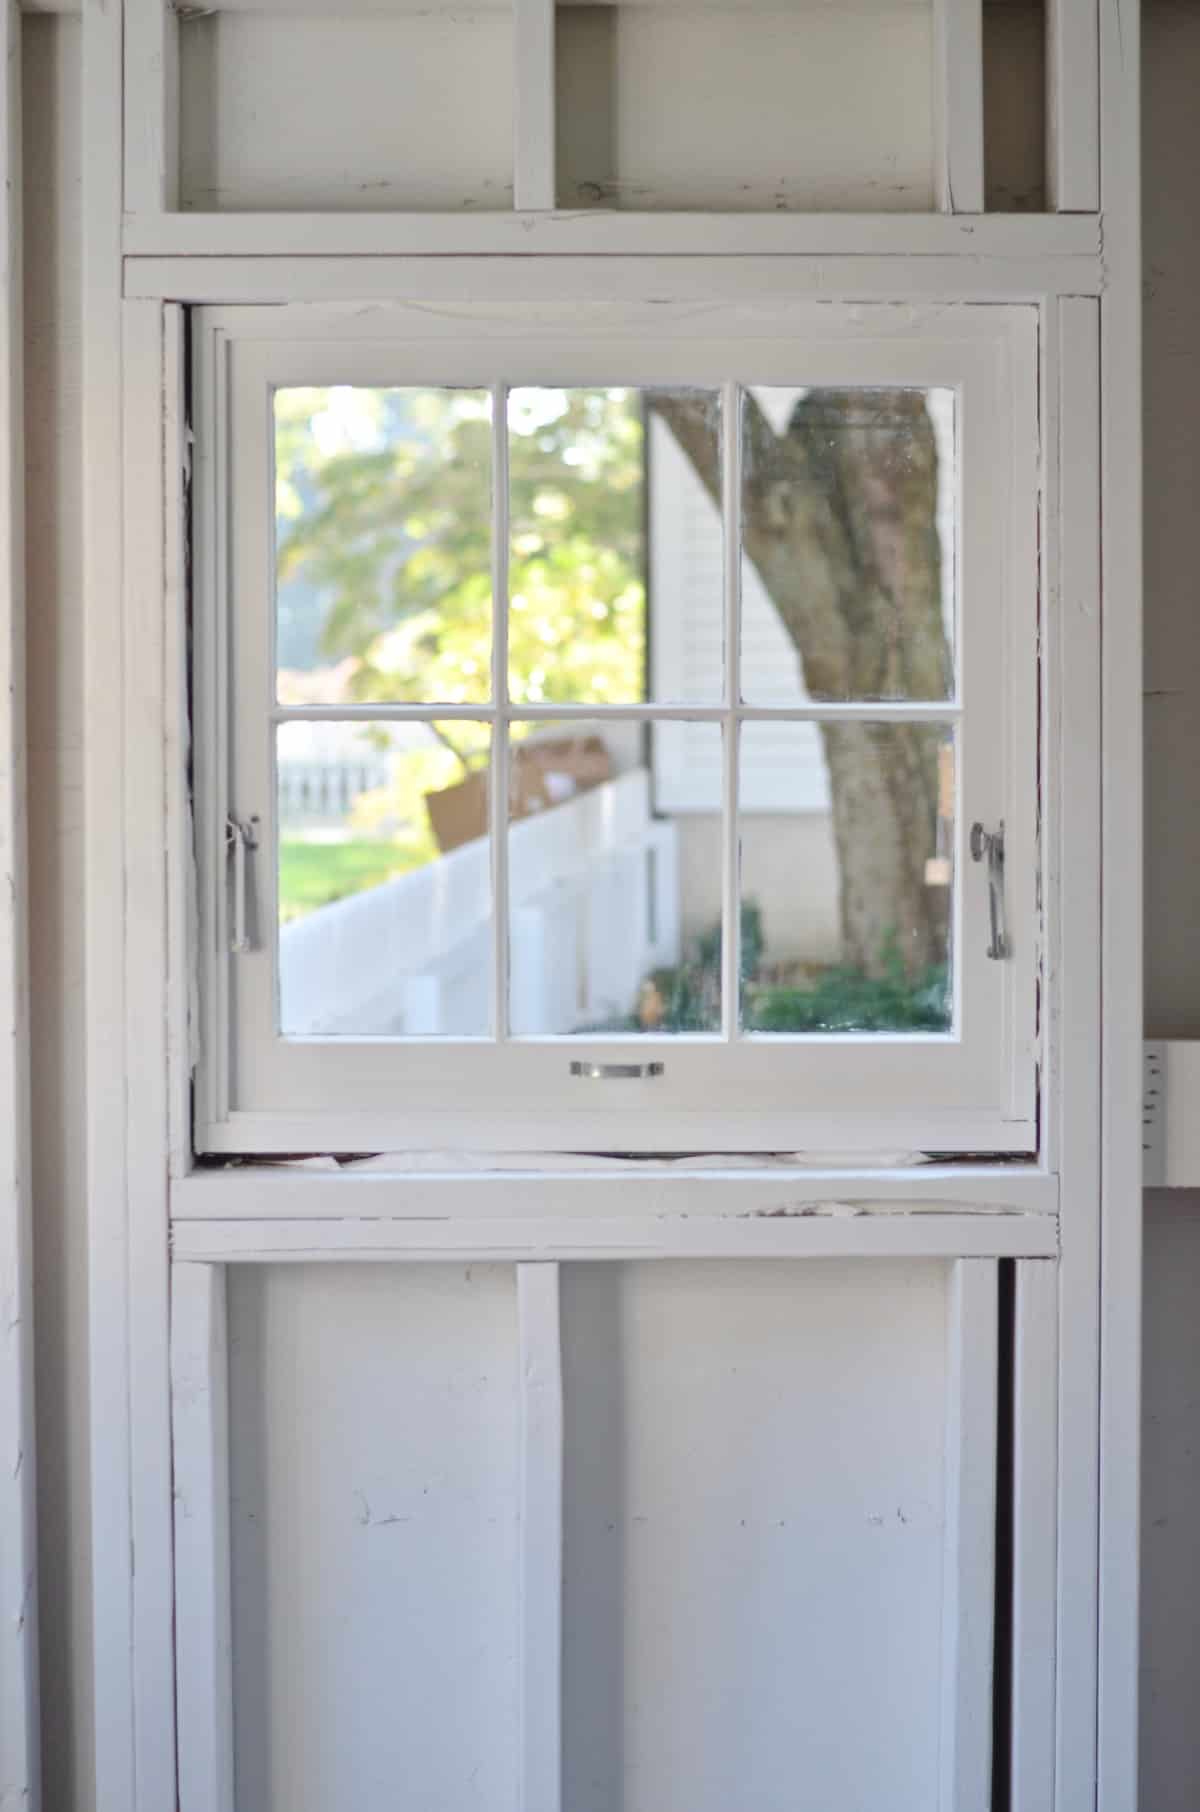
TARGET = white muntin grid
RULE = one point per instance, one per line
(500, 713)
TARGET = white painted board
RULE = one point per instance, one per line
(374, 1496)
(753, 1536)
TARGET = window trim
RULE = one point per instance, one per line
(988, 353)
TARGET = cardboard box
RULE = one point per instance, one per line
(542, 774)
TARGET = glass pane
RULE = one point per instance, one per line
(614, 887)
(384, 876)
(383, 514)
(615, 559)
(847, 839)
(848, 529)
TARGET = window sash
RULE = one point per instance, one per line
(972, 1088)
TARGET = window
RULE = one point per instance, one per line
(593, 710)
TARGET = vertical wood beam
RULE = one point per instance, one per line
(1072, 346)
(151, 107)
(534, 153)
(117, 1779)
(145, 1039)
(1035, 1495)
(19, 1735)
(958, 105)
(200, 1416)
(1072, 106)
(541, 1463)
(968, 1593)
(1121, 906)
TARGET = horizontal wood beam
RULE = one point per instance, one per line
(644, 1191)
(592, 230)
(615, 1238)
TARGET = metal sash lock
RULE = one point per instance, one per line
(241, 842)
(990, 845)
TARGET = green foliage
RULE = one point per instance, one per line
(383, 502)
(836, 999)
(315, 874)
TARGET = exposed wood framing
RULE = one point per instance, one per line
(1035, 1480)
(611, 1237)
(533, 104)
(1072, 841)
(200, 1398)
(958, 105)
(1121, 906)
(968, 1592)
(151, 106)
(19, 1738)
(1072, 105)
(541, 1599)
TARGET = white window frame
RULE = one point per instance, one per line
(973, 1089)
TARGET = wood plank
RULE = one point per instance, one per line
(151, 107)
(609, 1238)
(1121, 907)
(557, 1188)
(594, 230)
(534, 157)
(1035, 1494)
(541, 1537)
(1072, 105)
(143, 799)
(968, 1599)
(200, 1410)
(1072, 843)
(118, 1778)
(958, 105)
(19, 1739)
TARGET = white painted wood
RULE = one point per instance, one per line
(973, 1091)
(151, 106)
(1072, 844)
(754, 1536)
(118, 1775)
(736, 108)
(1121, 964)
(1176, 1110)
(540, 1347)
(534, 153)
(1035, 1497)
(1072, 105)
(611, 1237)
(375, 1502)
(365, 278)
(346, 112)
(958, 105)
(911, 237)
(20, 1771)
(143, 800)
(200, 1417)
(968, 1590)
(731, 848)
(483, 1186)
(181, 927)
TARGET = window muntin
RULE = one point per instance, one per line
(963, 1044)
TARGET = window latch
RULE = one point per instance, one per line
(989, 846)
(241, 842)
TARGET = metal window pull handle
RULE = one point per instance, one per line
(240, 842)
(616, 1072)
(990, 844)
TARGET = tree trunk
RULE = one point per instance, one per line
(839, 517)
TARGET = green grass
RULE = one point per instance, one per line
(314, 874)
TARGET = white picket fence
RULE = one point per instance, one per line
(594, 906)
